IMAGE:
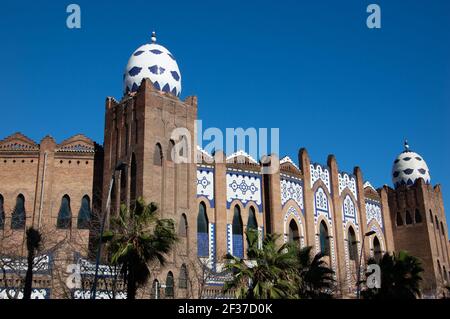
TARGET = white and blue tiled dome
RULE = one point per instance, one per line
(409, 167)
(155, 62)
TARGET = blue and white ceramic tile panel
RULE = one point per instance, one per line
(88, 269)
(203, 245)
(291, 188)
(244, 186)
(321, 205)
(373, 212)
(322, 208)
(42, 264)
(293, 213)
(212, 246)
(347, 181)
(238, 245)
(100, 294)
(155, 62)
(230, 239)
(350, 217)
(350, 213)
(319, 172)
(205, 183)
(36, 293)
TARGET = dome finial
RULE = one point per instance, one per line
(153, 37)
(406, 145)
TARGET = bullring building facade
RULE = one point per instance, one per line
(57, 188)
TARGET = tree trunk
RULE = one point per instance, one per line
(131, 284)
(28, 276)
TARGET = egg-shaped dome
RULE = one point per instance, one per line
(155, 62)
(408, 167)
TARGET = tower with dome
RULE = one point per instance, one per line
(213, 198)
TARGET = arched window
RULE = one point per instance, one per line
(399, 219)
(169, 291)
(442, 230)
(376, 249)
(431, 217)
(437, 223)
(202, 231)
(251, 222)
(182, 228)
(126, 138)
(408, 218)
(64, 220)
(170, 156)
(133, 180)
(2, 213)
(352, 244)
(136, 129)
(113, 202)
(84, 215)
(155, 292)
(294, 236)
(183, 281)
(237, 230)
(18, 216)
(157, 155)
(324, 239)
(123, 186)
(418, 217)
(183, 149)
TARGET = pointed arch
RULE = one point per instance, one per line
(252, 223)
(170, 151)
(294, 234)
(169, 290)
(399, 219)
(352, 244)
(157, 155)
(183, 280)
(408, 218)
(238, 233)
(183, 226)
(155, 292)
(202, 231)
(84, 215)
(64, 220)
(18, 217)
(418, 217)
(324, 239)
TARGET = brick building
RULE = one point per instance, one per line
(212, 198)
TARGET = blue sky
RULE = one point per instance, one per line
(311, 68)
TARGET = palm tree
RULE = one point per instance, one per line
(315, 279)
(138, 237)
(34, 239)
(400, 277)
(269, 272)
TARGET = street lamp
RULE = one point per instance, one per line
(120, 167)
(358, 283)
